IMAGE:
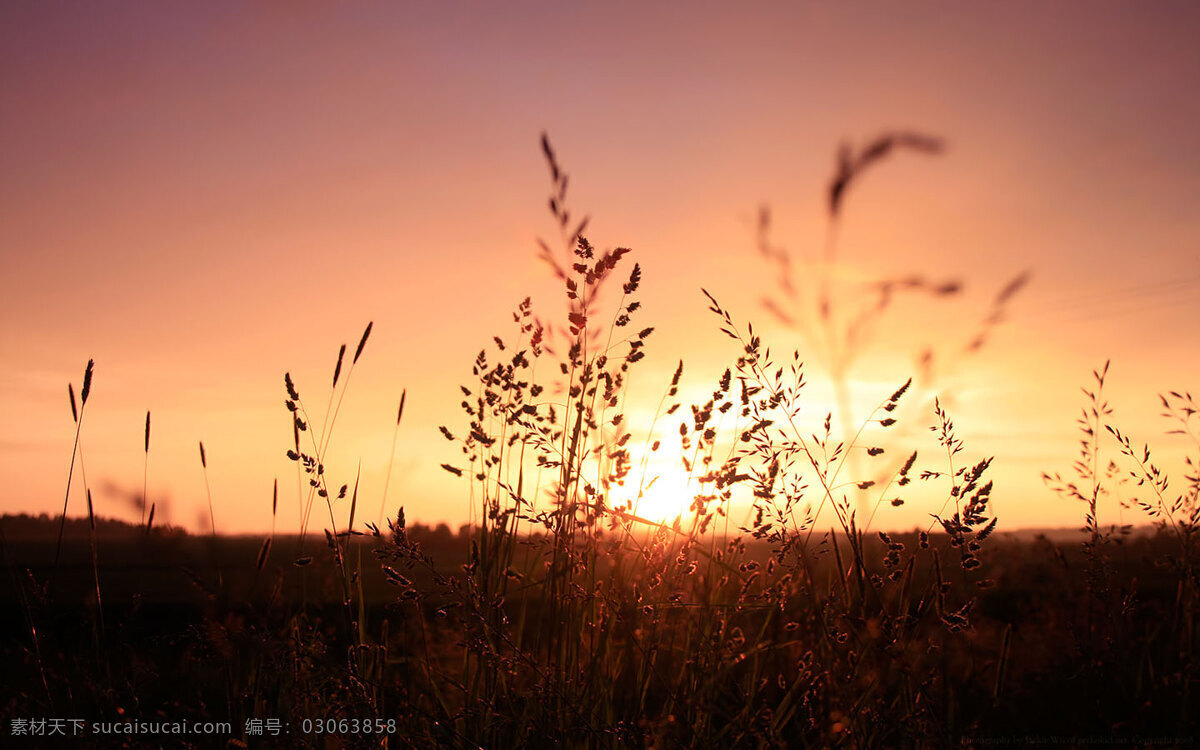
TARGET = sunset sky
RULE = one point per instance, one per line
(204, 196)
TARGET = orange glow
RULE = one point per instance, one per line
(205, 198)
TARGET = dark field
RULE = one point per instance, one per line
(193, 628)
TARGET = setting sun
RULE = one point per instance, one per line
(666, 497)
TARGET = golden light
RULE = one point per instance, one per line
(666, 497)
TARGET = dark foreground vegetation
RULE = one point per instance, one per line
(196, 629)
(561, 617)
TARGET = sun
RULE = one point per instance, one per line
(665, 496)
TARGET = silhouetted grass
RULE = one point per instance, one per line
(562, 616)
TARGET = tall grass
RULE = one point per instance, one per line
(625, 630)
(838, 318)
(145, 504)
(570, 618)
(77, 417)
(1112, 608)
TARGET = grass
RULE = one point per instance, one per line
(562, 616)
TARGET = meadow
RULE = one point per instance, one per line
(562, 615)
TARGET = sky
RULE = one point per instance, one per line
(202, 197)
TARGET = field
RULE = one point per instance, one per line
(560, 616)
(1043, 655)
